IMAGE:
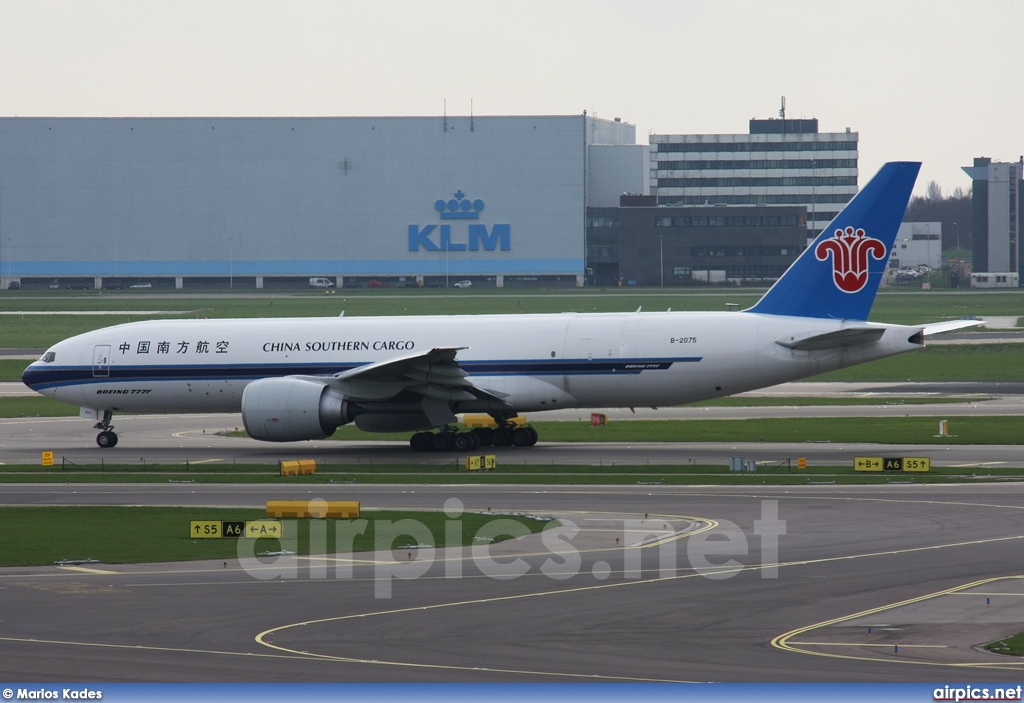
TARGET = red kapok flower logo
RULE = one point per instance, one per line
(850, 250)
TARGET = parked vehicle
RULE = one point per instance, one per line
(141, 284)
(320, 282)
(464, 284)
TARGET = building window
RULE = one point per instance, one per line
(763, 165)
(719, 147)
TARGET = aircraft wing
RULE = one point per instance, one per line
(432, 375)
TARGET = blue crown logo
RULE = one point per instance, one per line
(459, 207)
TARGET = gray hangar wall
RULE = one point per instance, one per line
(295, 196)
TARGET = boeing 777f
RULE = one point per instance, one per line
(301, 378)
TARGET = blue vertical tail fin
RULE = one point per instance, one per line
(838, 275)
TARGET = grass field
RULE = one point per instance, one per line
(946, 362)
(35, 406)
(1010, 646)
(872, 430)
(125, 535)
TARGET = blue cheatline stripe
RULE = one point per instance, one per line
(42, 378)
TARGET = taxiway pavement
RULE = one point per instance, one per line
(734, 584)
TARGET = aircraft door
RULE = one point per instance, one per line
(594, 347)
(101, 361)
(586, 338)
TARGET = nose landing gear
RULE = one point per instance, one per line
(107, 438)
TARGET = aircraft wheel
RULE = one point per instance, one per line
(421, 442)
(521, 437)
(441, 441)
(463, 442)
(484, 435)
(106, 439)
(533, 437)
(503, 437)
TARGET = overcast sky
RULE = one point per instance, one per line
(930, 80)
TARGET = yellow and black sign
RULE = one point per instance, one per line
(868, 463)
(255, 529)
(487, 462)
(801, 462)
(892, 463)
(233, 529)
(916, 463)
(205, 529)
(47, 458)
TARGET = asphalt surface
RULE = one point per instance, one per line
(932, 569)
(881, 583)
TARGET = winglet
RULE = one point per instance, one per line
(838, 275)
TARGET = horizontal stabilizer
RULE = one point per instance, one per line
(848, 337)
(940, 327)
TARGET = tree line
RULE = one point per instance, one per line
(953, 211)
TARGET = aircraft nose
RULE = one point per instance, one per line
(33, 376)
(29, 375)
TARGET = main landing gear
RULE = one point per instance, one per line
(449, 440)
(106, 439)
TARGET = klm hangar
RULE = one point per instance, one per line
(272, 202)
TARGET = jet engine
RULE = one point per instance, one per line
(292, 409)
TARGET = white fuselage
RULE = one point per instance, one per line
(535, 362)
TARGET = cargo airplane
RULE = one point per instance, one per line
(301, 378)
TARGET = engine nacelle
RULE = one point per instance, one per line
(293, 409)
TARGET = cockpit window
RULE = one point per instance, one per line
(48, 357)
